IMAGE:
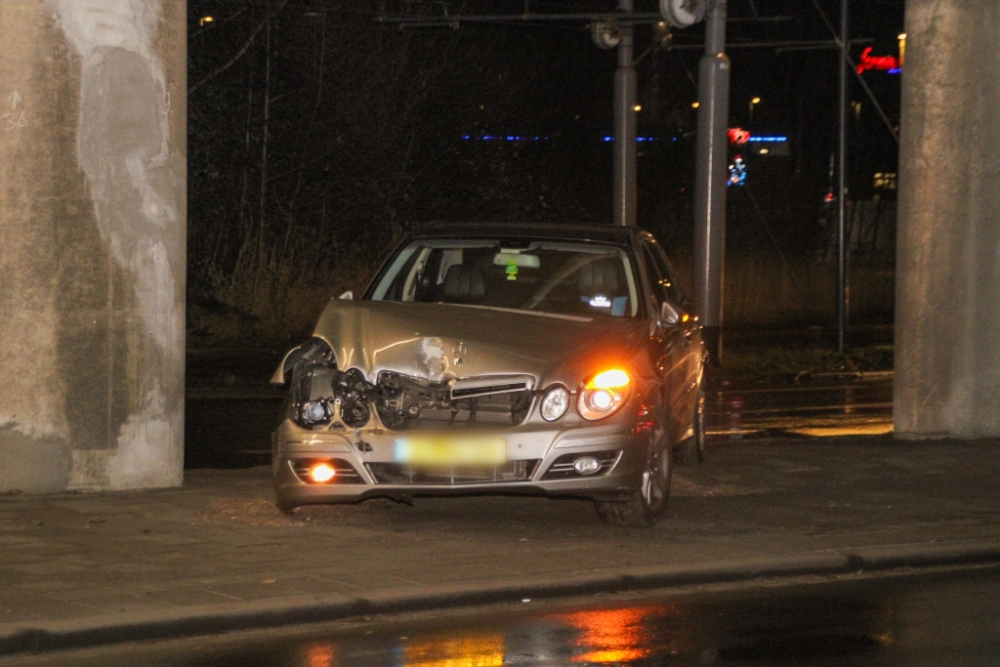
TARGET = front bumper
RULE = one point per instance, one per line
(539, 461)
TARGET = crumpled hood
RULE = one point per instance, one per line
(441, 341)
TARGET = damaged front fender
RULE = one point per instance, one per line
(314, 349)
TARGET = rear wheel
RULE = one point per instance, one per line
(693, 450)
(647, 505)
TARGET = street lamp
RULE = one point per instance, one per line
(753, 102)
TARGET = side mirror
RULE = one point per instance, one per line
(347, 296)
(669, 316)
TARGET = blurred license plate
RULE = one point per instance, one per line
(451, 451)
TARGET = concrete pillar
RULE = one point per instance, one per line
(948, 252)
(92, 243)
(711, 163)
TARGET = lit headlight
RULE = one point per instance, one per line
(603, 394)
(555, 403)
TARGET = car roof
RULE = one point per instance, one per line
(599, 233)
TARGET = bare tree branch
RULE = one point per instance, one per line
(242, 51)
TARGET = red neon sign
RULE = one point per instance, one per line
(738, 136)
(883, 63)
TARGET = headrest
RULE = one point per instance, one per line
(599, 277)
(464, 284)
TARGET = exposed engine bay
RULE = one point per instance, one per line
(323, 396)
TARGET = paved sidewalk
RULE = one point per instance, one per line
(80, 569)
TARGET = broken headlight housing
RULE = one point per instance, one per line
(315, 413)
(321, 394)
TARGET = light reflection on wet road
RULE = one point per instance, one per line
(808, 409)
(950, 618)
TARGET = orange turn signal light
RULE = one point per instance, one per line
(610, 379)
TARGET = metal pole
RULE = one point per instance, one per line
(710, 179)
(841, 187)
(625, 153)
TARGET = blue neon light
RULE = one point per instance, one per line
(770, 140)
(518, 137)
(608, 138)
(509, 137)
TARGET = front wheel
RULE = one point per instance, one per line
(647, 505)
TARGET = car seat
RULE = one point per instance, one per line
(599, 284)
(464, 284)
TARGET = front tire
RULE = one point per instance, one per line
(693, 450)
(646, 505)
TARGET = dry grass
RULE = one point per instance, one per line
(762, 361)
(763, 291)
(271, 299)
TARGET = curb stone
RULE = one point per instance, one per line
(193, 621)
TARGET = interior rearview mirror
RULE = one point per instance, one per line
(347, 296)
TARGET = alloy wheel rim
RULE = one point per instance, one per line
(654, 478)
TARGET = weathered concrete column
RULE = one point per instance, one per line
(948, 253)
(92, 243)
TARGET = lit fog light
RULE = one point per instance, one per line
(555, 403)
(321, 473)
(586, 465)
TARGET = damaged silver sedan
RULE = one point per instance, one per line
(557, 360)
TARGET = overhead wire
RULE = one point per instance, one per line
(854, 68)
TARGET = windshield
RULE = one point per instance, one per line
(548, 276)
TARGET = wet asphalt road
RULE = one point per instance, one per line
(813, 407)
(946, 618)
(231, 410)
